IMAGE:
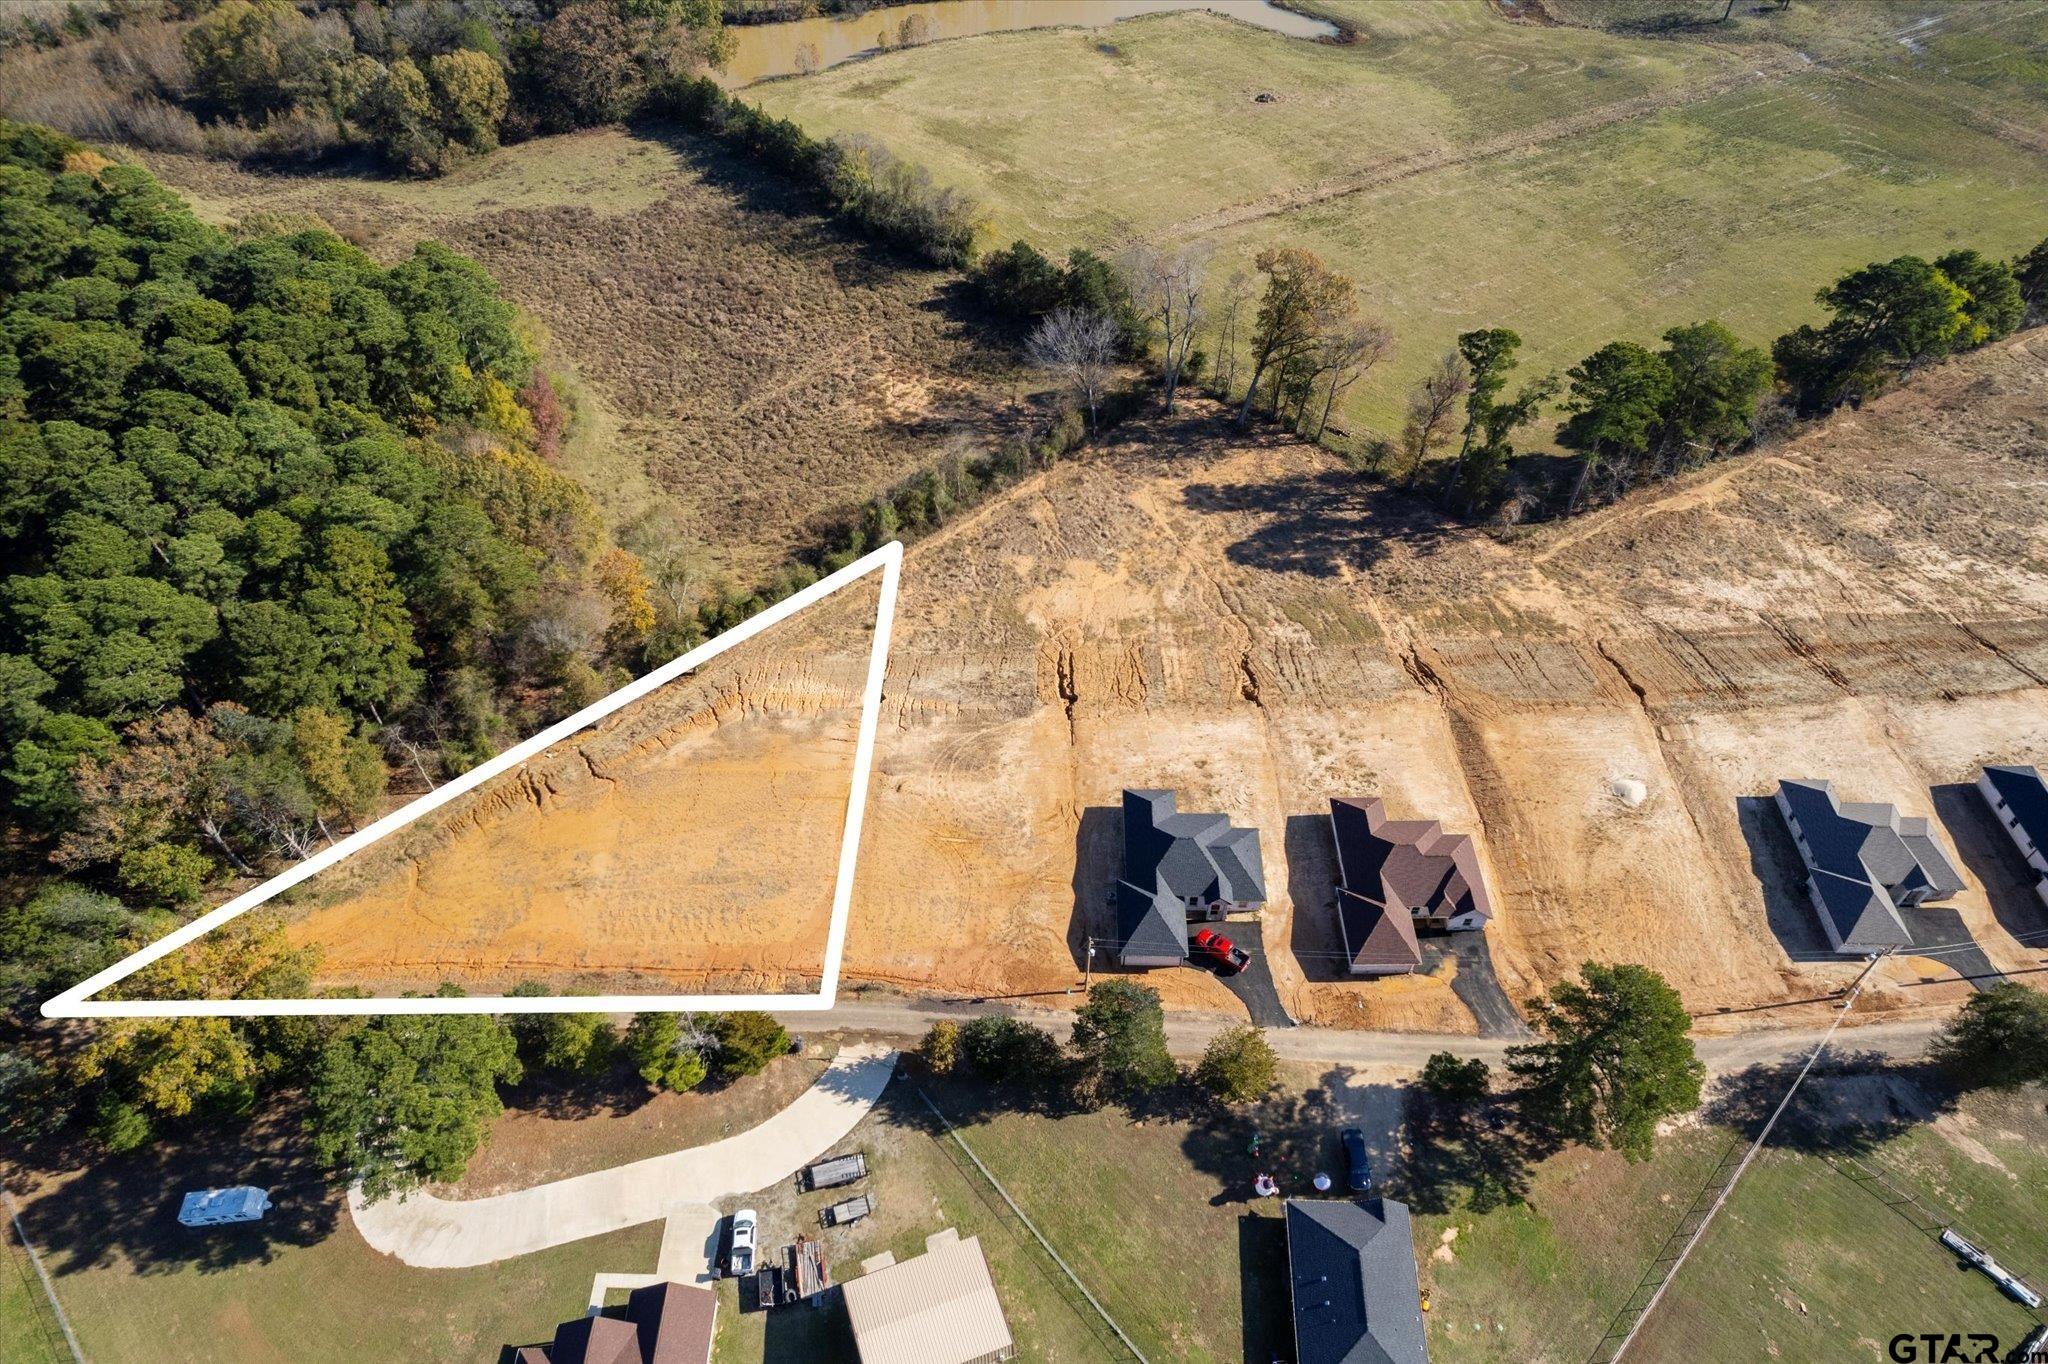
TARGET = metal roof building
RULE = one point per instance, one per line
(939, 1308)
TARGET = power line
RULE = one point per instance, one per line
(1701, 1230)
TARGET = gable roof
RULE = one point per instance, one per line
(1150, 924)
(938, 1308)
(1352, 1271)
(2026, 799)
(1407, 864)
(1171, 858)
(1865, 857)
(596, 1340)
(675, 1322)
(665, 1323)
(1375, 935)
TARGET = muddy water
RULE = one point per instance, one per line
(766, 50)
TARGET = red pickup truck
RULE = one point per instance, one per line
(1220, 952)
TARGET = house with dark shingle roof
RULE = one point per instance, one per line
(1395, 875)
(2019, 799)
(1178, 867)
(1864, 863)
(1357, 1299)
(665, 1323)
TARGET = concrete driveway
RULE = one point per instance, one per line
(436, 1233)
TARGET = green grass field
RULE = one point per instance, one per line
(1824, 1259)
(29, 1333)
(1572, 183)
(335, 1300)
(1152, 1216)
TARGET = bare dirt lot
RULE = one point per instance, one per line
(1242, 620)
(1245, 622)
(685, 844)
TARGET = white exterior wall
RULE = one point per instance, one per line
(2037, 858)
(1827, 920)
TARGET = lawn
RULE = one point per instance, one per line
(1152, 1214)
(29, 1333)
(1826, 1261)
(922, 1184)
(1574, 184)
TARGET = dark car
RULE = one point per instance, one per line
(1357, 1165)
(1220, 952)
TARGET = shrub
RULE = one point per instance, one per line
(940, 1049)
(663, 1055)
(1008, 1050)
(747, 1042)
(165, 873)
(1238, 1065)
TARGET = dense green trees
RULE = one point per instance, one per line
(264, 505)
(1120, 1038)
(1614, 1061)
(1999, 1039)
(233, 537)
(1891, 316)
(401, 1099)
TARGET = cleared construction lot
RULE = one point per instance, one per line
(1242, 620)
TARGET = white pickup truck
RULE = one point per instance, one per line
(746, 1225)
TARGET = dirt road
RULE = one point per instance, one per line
(1188, 1033)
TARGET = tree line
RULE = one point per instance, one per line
(1290, 341)
(279, 528)
(422, 83)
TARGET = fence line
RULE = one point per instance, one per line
(49, 1289)
(1032, 1227)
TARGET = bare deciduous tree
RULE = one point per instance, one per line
(1346, 355)
(1166, 286)
(1228, 303)
(1432, 412)
(1078, 348)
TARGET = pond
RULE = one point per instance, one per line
(766, 50)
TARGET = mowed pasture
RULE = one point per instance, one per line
(1574, 184)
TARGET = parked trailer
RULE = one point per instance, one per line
(849, 1211)
(1997, 1273)
(2033, 1348)
(839, 1170)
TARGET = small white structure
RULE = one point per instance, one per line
(2019, 801)
(212, 1207)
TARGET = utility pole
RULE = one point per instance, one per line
(1088, 967)
(1749, 1155)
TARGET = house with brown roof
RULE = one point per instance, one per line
(1396, 876)
(665, 1323)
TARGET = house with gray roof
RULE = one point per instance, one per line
(2018, 798)
(1398, 875)
(1178, 867)
(1357, 1299)
(1864, 863)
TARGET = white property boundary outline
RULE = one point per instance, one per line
(74, 1002)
